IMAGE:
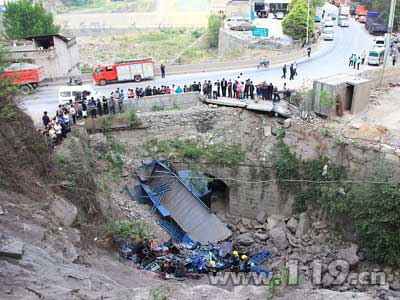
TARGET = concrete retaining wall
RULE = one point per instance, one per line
(163, 102)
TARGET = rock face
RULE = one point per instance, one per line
(64, 211)
(304, 224)
(278, 237)
(350, 255)
(11, 247)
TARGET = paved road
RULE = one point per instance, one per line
(331, 58)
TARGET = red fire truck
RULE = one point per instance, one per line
(26, 76)
(131, 70)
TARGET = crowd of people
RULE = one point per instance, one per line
(58, 126)
(355, 60)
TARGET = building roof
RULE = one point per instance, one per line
(342, 79)
(39, 37)
(237, 1)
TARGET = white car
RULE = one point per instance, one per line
(67, 93)
(328, 34)
(380, 42)
(328, 23)
(343, 21)
(279, 15)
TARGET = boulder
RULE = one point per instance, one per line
(261, 236)
(304, 224)
(292, 224)
(267, 131)
(11, 247)
(245, 239)
(349, 255)
(247, 223)
(64, 211)
(319, 225)
(278, 237)
(261, 217)
(395, 285)
(272, 221)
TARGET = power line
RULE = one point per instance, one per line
(276, 180)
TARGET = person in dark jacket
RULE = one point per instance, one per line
(224, 85)
(45, 119)
(99, 107)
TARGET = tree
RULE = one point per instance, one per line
(22, 19)
(295, 23)
(214, 23)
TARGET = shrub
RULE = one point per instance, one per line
(121, 231)
(133, 119)
(214, 23)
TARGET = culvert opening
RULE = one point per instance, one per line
(219, 197)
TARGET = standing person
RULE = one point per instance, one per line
(162, 68)
(264, 91)
(238, 89)
(209, 89)
(72, 110)
(363, 56)
(58, 130)
(92, 108)
(284, 70)
(354, 61)
(224, 85)
(291, 72)
(242, 87)
(112, 105)
(247, 89)
(84, 108)
(358, 63)
(218, 84)
(121, 105)
(277, 98)
(308, 51)
(205, 88)
(351, 60)
(394, 58)
(45, 119)
(230, 88)
(252, 90)
(295, 68)
(270, 89)
(99, 107)
(105, 105)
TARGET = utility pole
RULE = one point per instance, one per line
(308, 21)
(389, 35)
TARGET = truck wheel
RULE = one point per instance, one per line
(103, 82)
(26, 89)
(137, 78)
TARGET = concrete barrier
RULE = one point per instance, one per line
(163, 102)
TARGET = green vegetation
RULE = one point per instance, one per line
(157, 107)
(162, 45)
(373, 206)
(133, 119)
(214, 24)
(121, 231)
(86, 68)
(188, 149)
(198, 54)
(112, 154)
(326, 100)
(23, 19)
(295, 23)
(91, 6)
(276, 283)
